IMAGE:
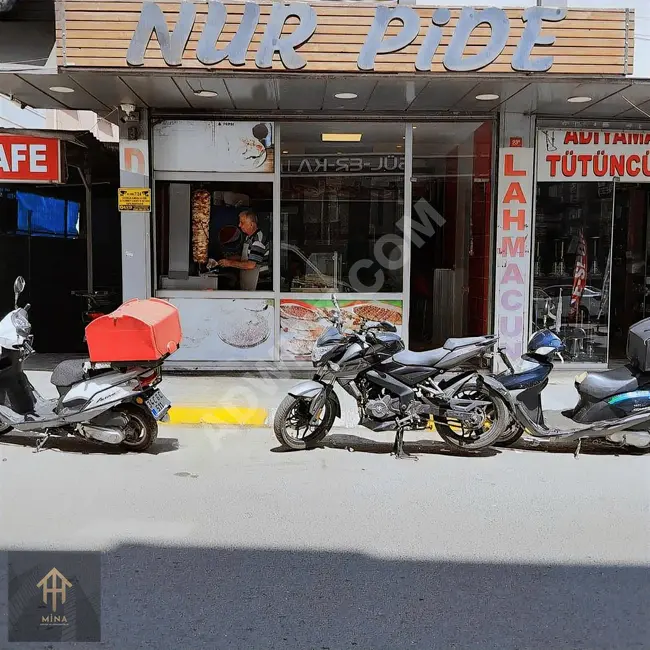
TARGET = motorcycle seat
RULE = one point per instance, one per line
(68, 373)
(610, 382)
(454, 344)
(426, 359)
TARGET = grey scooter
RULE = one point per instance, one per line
(113, 405)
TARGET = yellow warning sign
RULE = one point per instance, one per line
(134, 199)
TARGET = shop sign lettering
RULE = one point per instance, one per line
(593, 156)
(378, 44)
(26, 159)
(513, 247)
(343, 164)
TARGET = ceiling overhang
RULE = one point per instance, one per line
(393, 95)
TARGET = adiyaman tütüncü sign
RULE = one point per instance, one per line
(378, 44)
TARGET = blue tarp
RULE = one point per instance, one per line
(49, 216)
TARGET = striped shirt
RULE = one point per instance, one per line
(256, 250)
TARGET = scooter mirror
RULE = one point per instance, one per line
(389, 327)
(19, 287)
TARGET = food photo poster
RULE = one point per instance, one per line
(214, 146)
(303, 321)
(226, 330)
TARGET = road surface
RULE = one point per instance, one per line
(218, 540)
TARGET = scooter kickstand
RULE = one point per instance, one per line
(576, 454)
(41, 443)
(398, 447)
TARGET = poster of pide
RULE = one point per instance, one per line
(303, 321)
(564, 155)
(226, 330)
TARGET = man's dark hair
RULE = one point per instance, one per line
(251, 215)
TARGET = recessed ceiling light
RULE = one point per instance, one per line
(341, 137)
(61, 89)
(581, 99)
(285, 151)
(399, 146)
(487, 97)
(206, 93)
(346, 95)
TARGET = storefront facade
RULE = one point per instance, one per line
(388, 154)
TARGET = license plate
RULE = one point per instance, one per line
(158, 404)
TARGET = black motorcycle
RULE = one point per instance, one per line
(395, 389)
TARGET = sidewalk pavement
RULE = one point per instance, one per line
(248, 400)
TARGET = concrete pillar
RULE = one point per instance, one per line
(514, 230)
(136, 226)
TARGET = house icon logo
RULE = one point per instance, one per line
(54, 584)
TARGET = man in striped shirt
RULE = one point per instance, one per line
(254, 255)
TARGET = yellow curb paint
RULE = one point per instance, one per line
(218, 415)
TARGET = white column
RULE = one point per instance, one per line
(515, 205)
(136, 226)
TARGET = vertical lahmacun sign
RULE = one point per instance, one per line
(54, 596)
(514, 231)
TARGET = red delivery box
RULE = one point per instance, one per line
(138, 331)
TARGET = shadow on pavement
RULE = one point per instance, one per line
(348, 442)
(73, 445)
(345, 441)
(248, 599)
(588, 448)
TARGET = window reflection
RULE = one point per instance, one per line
(572, 266)
(342, 196)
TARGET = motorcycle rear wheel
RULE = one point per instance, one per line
(462, 438)
(293, 412)
(142, 427)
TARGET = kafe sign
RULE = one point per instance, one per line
(593, 156)
(25, 159)
(392, 29)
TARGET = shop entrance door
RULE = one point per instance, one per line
(630, 264)
(450, 243)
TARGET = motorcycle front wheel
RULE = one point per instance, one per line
(292, 427)
(494, 425)
(512, 434)
(4, 430)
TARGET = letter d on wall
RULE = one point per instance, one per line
(376, 43)
(470, 19)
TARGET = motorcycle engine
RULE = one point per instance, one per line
(383, 408)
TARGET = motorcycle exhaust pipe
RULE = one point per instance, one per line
(108, 435)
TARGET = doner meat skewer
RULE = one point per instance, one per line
(200, 225)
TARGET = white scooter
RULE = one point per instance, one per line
(102, 402)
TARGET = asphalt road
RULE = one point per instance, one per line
(216, 540)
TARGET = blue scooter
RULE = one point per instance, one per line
(613, 404)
